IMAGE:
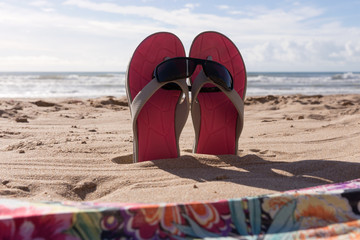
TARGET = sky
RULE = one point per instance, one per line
(90, 35)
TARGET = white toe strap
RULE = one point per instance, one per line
(181, 112)
(234, 97)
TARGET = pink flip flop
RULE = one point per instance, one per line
(217, 116)
(158, 114)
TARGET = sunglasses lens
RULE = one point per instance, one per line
(171, 69)
(178, 68)
(219, 74)
(191, 66)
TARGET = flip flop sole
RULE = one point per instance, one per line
(217, 133)
(156, 121)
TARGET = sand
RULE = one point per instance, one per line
(81, 150)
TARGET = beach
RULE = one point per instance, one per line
(78, 149)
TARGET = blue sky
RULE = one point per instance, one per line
(89, 35)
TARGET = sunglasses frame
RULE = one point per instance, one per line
(203, 63)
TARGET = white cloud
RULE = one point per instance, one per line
(310, 55)
(60, 63)
(40, 3)
(28, 63)
(257, 21)
(269, 39)
(192, 5)
(30, 20)
(223, 7)
(140, 11)
(173, 18)
(237, 12)
(43, 5)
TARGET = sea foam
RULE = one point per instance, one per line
(91, 85)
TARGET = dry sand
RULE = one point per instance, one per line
(81, 150)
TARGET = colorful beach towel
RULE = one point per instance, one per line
(329, 211)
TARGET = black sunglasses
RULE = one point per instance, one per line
(183, 67)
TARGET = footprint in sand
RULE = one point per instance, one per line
(316, 116)
(21, 119)
(82, 189)
(269, 120)
(266, 153)
(255, 150)
(41, 103)
(346, 102)
(124, 159)
(9, 188)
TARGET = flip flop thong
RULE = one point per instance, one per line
(158, 114)
(217, 116)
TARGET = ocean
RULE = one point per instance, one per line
(97, 84)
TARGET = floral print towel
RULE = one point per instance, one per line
(329, 211)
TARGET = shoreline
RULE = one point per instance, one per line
(56, 149)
